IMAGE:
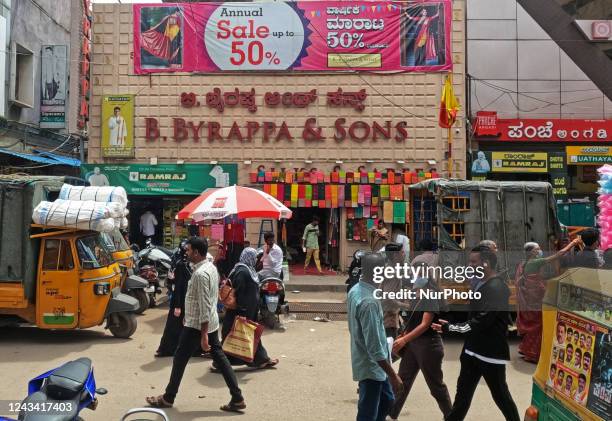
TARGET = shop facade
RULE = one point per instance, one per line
(563, 152)
(340, 145)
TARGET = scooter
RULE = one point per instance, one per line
(272, 301)
(157, 256)
(60, 394)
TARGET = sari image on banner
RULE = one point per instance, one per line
(161, 37)
(118, 126)
(423, 35)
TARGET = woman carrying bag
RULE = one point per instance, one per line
(245, 285)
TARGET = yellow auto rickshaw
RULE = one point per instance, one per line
(131, 284)
(56, 277)
(573, 379)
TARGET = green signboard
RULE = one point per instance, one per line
(161, 179)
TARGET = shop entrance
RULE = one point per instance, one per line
(295, 229)
(164, 209)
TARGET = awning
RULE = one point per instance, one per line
(44, 158)
(64, 160)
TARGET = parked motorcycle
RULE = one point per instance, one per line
(271, 301)
(61, 394)
(157, 256)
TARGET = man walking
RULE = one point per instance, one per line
(310, 242)
(201, 325)
(369, 349)
(485, 352)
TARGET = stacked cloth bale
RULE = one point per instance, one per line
(604, 219)
(92, 208)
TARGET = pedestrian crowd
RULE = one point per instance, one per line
(379, 334)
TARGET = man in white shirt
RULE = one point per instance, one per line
(148, 222)
(200, 329)
(272, 259)
(117, 128)
(98, 179)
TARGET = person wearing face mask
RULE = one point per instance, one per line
(531, 286)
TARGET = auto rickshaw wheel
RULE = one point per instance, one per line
(143, 299)
(123, 325)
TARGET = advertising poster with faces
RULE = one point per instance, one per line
(572, 357)
(600, 395)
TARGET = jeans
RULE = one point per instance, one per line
(375, 400)
(472, 369)
(189, 342)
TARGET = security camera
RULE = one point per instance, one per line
(457, 131)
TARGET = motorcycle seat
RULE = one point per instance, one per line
(165, 250)
(70, 409)
(68, 380)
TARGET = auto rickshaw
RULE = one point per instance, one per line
(55, 277)
(573, 379)
(131, 284)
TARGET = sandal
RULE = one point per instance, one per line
(269, 364)
(234, 407)
(158, 402)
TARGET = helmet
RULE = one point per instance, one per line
(358, 255)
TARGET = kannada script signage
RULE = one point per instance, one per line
(541, 130)
(298, 36)
(161, 179)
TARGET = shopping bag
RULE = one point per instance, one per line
(243, 339)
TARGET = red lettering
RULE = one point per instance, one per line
(151, 129)
(235, 132)
(180, 129)
(284, 132)
(252, 128)
(402, 133)
(241, 31)
(214, 129)
(224, 32)
(196, 130)
(355, 126)
(340, 134)
(269, 129)
(384, 132)
(263, 31)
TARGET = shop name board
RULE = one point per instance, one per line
(162, 179)
(519, 161)
(543, 130)
(357, 131)
(589, 155)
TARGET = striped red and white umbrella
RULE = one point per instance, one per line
(244, 202)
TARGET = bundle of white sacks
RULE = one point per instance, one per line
(94, 208)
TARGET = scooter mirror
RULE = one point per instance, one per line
(101, 391)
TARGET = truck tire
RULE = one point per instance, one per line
(143, 299)
(123, 325)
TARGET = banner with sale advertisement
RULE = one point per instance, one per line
(295, 36)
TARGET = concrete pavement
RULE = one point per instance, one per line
(312, 381)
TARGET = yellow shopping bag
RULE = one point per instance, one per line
(243, 339)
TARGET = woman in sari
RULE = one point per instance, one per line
(245, 282)
(531, 286)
